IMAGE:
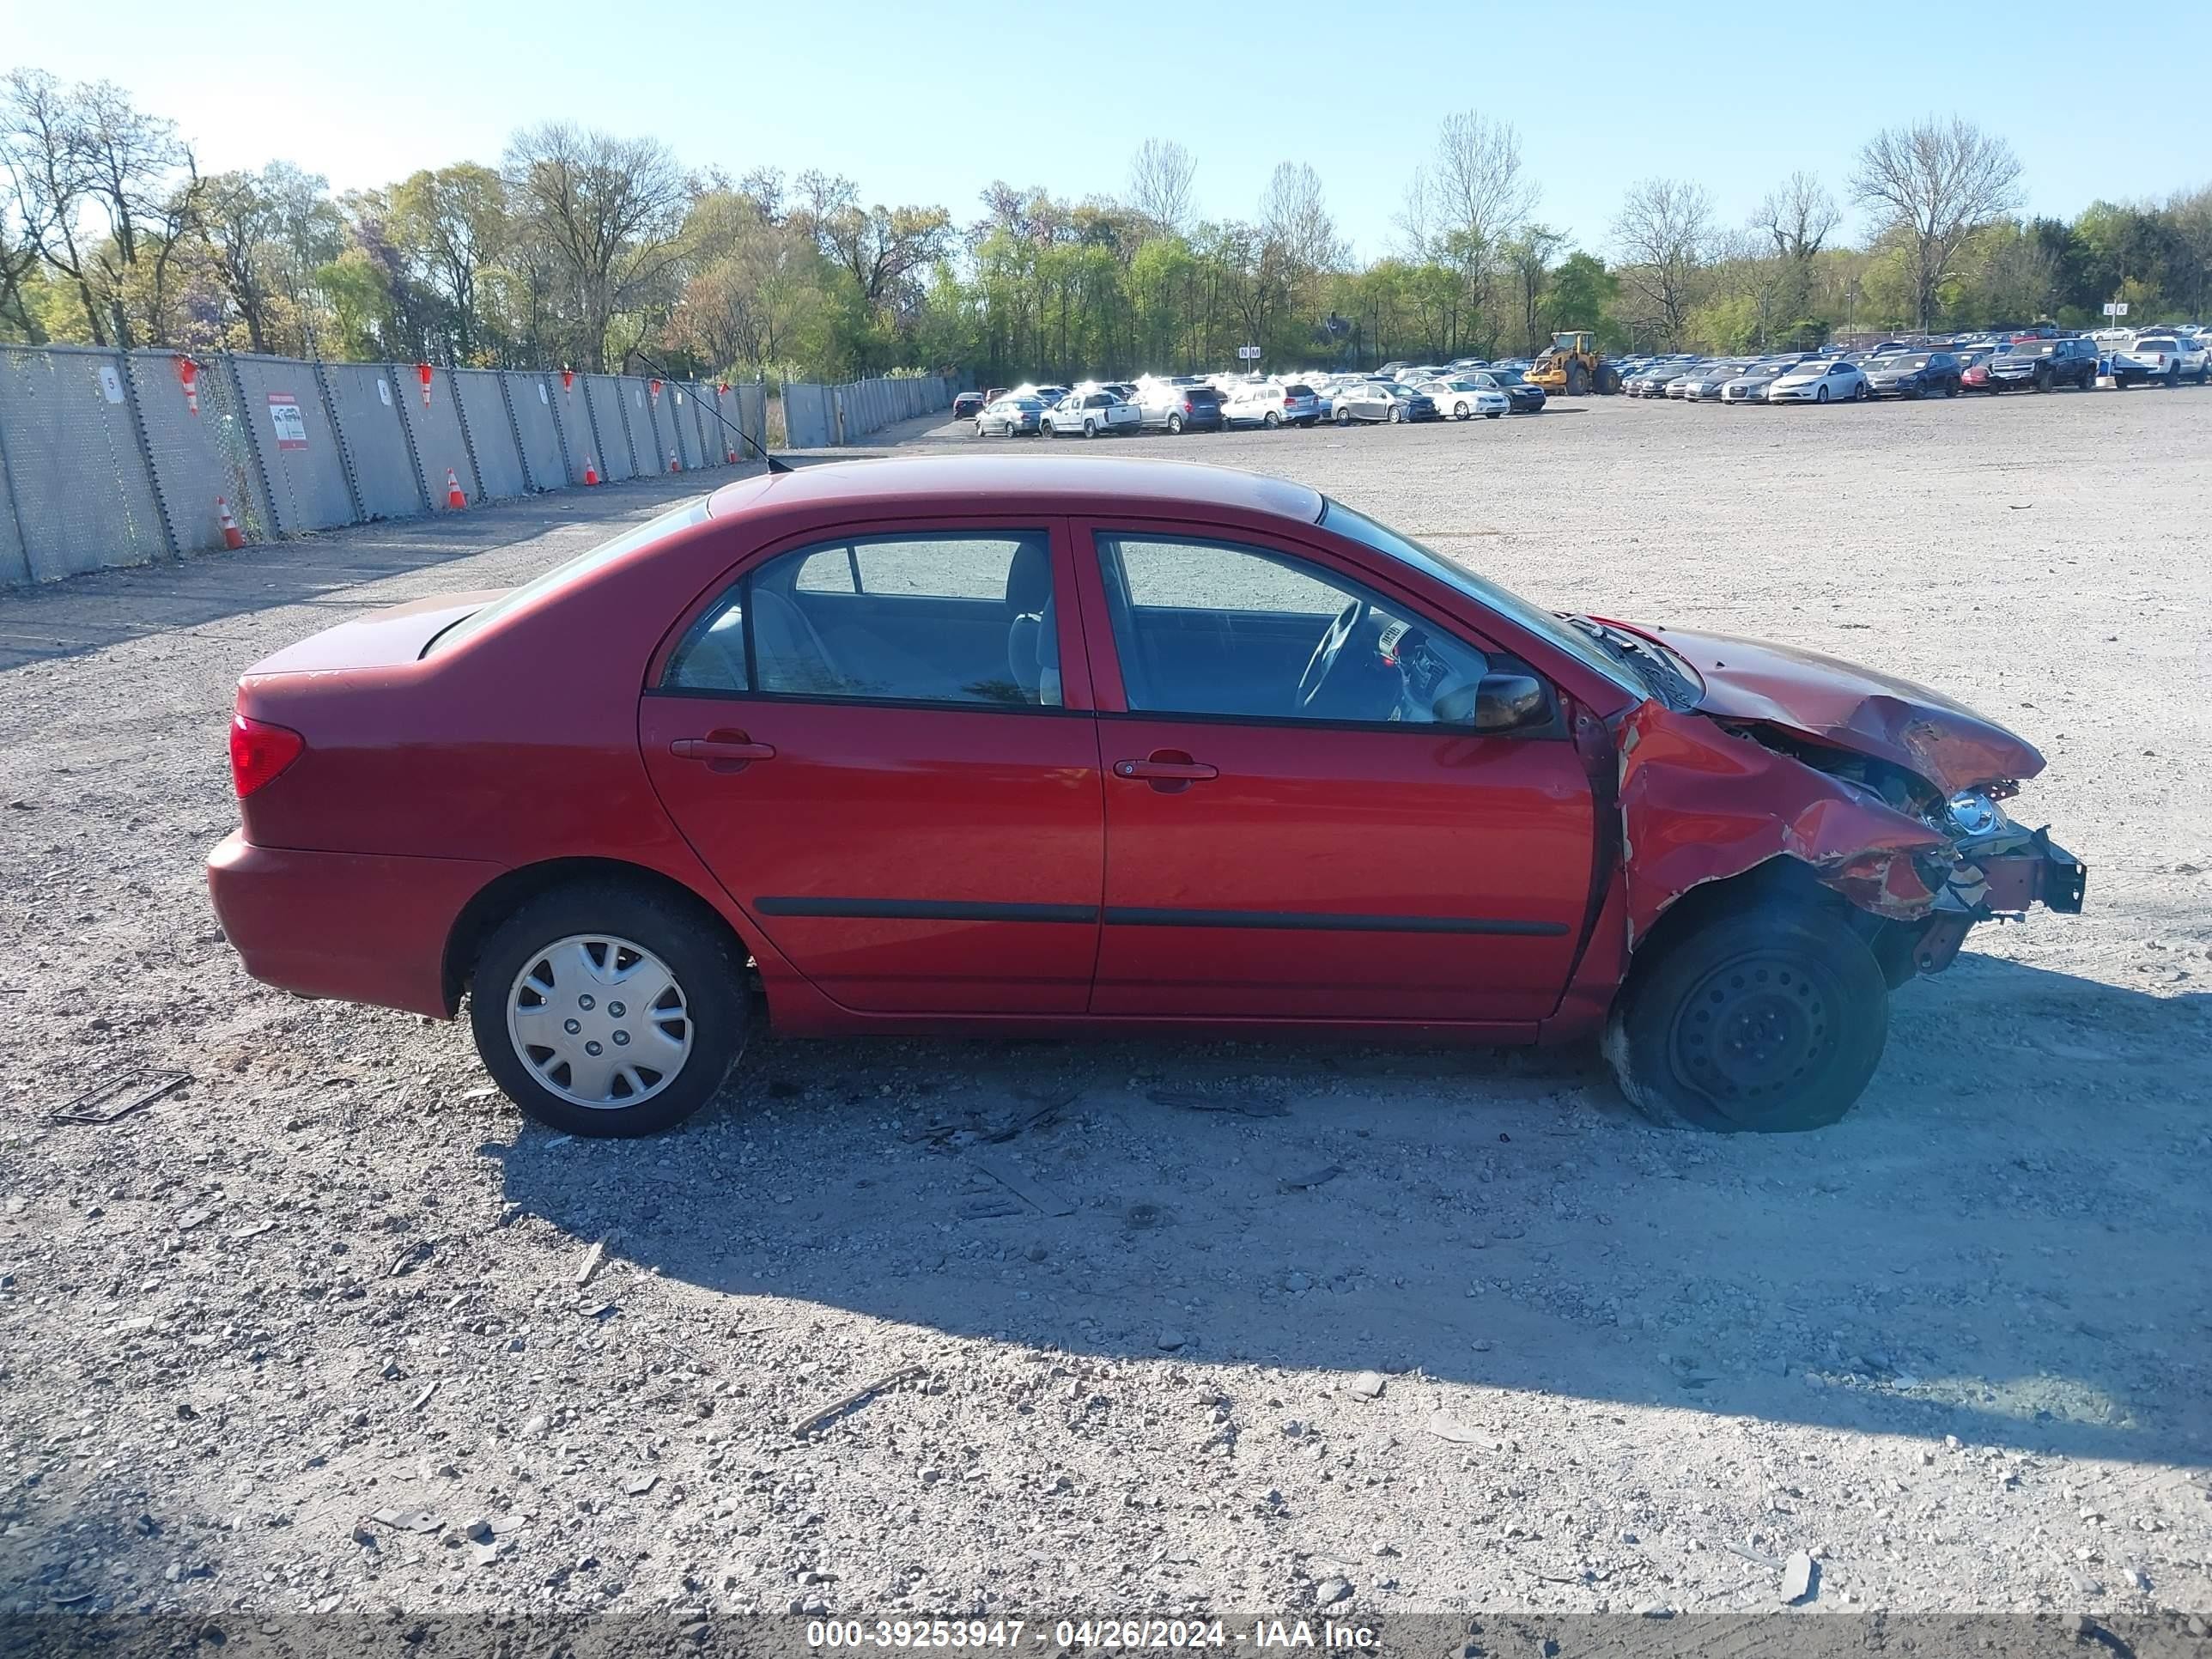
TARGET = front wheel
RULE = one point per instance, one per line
(979, 428)
(1396, 414)
(1459, 412)
(606, 1010)
(1759, 1021)
(1271, 420)
(1494, 413)
(1820, 394)
(1344, 417)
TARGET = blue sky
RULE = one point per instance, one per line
(928, 103)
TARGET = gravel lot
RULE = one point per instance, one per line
(271, 1343)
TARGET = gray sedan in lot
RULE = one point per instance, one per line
(1382, 400)
(1010, 417)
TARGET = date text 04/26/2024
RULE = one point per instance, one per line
(1093, 1634)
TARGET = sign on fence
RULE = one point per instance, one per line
(291, 425)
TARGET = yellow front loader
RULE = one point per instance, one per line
(1572, 367)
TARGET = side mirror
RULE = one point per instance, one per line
(1500, 702)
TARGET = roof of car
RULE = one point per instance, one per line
(996, 483)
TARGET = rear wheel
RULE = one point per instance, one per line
(1175, 425)
(605, 1010)
(1090, 428)
(1760, 1020)
(1859, 393)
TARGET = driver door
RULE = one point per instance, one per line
(1264, 864)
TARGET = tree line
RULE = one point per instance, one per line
(583, 249)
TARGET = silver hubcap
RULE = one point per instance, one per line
(600, 1022)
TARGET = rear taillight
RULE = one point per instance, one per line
(259, 751)
(1188, 408)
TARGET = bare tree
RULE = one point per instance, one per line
(1931, 184)
(610, 209)
(1798, 216)
(1160, 183)
(1294, 220)
(1465, 206)
(1664, 231)
(45, 160)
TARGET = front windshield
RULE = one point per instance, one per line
(1901, 363)
(1504, 376)
(1581, 646)
(653, 530)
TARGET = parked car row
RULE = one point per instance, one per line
(1901, 370)
(1175, 403)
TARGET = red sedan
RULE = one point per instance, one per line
(987, 746)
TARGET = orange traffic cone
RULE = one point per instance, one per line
(231, 539)
(590, 473)
(674, 465)
(454, 499)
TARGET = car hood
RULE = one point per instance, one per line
(1845, 706)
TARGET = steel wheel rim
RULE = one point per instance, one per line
(1752, 1031)
(600, 1022)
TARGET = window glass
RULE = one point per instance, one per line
(942, 617)
(629, 541)
(1208, 628)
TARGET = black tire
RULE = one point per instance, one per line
(1950, 388)
(1460, 411)
(1090, 428)
(1344, 417)
(1576, 384)
(1802, 988)
(701, 957)
(1396, 415)
(979, 428)
(1175, 425)
(2042, 379)
(1820, 394)
(1271, 420)
(1861, 392)
(2173, 378)
(1495, 415)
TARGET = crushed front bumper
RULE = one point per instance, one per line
(1998, 876)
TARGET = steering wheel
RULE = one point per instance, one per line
(1324, 661)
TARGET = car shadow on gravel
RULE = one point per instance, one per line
(1974, 1252)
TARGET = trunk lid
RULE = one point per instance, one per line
(376, 639)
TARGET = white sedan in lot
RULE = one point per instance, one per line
(1822, 380)
(1463, 399)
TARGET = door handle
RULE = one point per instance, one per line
(724, 750)
(1170, 771)
(1188, 771)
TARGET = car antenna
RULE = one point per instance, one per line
(774, 464)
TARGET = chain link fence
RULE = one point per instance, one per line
(112, 458)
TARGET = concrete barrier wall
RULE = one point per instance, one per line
(112, 458)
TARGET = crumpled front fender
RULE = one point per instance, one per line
(1700, 804)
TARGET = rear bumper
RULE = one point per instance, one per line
(358, 926)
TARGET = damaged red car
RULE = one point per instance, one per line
(978, 746)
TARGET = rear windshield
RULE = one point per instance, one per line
(2157, 345)
(644, 535)
(1295, 390)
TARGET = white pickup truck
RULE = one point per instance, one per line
(1092, 413)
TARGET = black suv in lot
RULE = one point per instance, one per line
(2043, 364)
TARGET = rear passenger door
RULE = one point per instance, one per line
(869, 739)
